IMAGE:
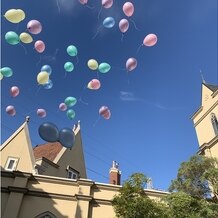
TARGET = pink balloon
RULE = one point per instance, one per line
(128, 9)
(10, 110)
(95, 84)
(131, 64)
(14, 91)
(39, 46)
(107, 3)
(34, 26)
(41, 112)
(107, 115)
(103, 110)
(62, 106)
(83, 2)
(123, 25)
(150, 40)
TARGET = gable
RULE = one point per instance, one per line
(207, 91)
(18, 147)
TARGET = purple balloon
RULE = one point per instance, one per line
(10, 110)
(62, 107)
(14, 91)
(131, 64)
(34, 27)
(41, 112)
(123, 25)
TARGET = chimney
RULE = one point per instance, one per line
(115, 174)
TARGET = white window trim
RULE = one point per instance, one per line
(73, 172)
(15, 159)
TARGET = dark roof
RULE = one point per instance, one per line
(211, 87)
(48, 150)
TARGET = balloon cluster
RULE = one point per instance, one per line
(43, 77)
(49, 132)
(71, 51)
(5, 72)
(33, 26)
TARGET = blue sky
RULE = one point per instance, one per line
(150, 129)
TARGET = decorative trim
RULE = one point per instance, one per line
(97, 201)
(83, 197)
(18, 189)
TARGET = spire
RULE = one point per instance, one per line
(202, 77)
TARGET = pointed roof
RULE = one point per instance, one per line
(211, 87)
(48, 150)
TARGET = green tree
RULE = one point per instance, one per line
(182, 205)
(132, 201)
(198, 177)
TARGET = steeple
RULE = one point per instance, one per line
(115, 174)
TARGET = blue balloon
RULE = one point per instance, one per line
(66, 137)
(47, 69)
(48, 132)
(109, 22)
(48, 85)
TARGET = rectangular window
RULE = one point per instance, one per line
(71, 173)
(11, 164)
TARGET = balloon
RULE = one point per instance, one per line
(10, 110)
(68, 66)
(62, 107)
(66, 137)
(70, 101)
(123, 25)
(47, 69)
(1, 76)
(71, 114)
(150, 40)
(128, 9)
(48, 85)
(109, 22)
(34, 26)
(94, 84)
(41, 112)
(14, 91)
(48, 132)
(83, 2)
(107, 3)
(39, 46)
(107, 115)
(104, 67)
(6, 71)
(14, 15)
(42, 77)
(92, 64)
(25, 38)
(131, 64)
(12, 38)
(72, 50)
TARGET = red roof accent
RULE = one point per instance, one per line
(49, 150)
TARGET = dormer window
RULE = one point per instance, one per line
(72, 173)
(11, 164)
(214, 123)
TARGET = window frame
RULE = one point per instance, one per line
(214, 122)
(14, 166)
(73, 173)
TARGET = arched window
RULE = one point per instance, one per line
(46, 214)
(214, 123)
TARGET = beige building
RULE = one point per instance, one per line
(205, 121)
(50, 181)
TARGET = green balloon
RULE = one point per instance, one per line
(12, 38)
(70, 101)
(71, 114)
(104, 67)
(68, 66)
(72, 50)
(6, 71)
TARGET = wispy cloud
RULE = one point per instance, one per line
(65, 5)
(129, 96)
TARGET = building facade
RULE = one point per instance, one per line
(49, 181)
(205, 121)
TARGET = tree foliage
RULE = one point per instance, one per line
(132, 201)
(198, 177)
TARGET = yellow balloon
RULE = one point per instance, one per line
(89, 86)
(25, 38)
(42, 77)
(93, 64)
(1, 76)
(14, 15)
